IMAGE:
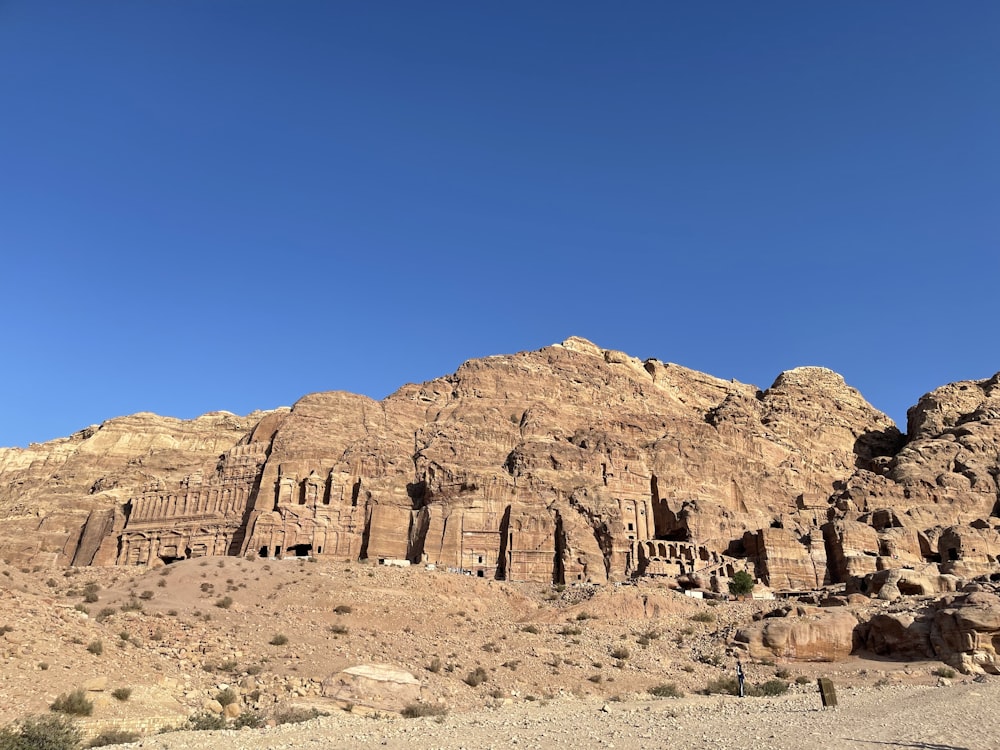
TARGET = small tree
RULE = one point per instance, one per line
(741, 584)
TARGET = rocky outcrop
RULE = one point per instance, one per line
(801, 634)
(568, 464)
(962, 630)
(379, 687)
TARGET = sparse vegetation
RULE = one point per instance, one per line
(121, 694)
(225, 602)
(343, 609)
(620, 652)
(114, 737)
(533, 629)
(946, 672)
(338, 629)
(75, 703)
(96, 647)
(703, 617)
(249, 719)
(666, 690)
(147, 595)
(741, 584)
(205, 722)
(278, 640)
(132, 605)
(226, 697)
(49, 732)
(416, 710)
(476, 677)
(722, 686)
(435, 665)
(296, 715)
(768, 689)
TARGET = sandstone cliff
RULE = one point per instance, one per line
(571, 463)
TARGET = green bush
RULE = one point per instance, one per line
(205, 722)
(248, 719)
(41, 733)
(741, 584)
(666, 690)
(75, 703)
(113, 737)
(416, 710)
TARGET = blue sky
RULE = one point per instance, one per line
(230, 204)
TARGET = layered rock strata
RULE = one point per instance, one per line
(568, 464)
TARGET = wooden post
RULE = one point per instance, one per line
(827, 692)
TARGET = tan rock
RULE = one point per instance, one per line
(377, 686)
(570, 464)
(96, 684)
(805, 634)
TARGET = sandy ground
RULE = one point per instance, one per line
(932, 718)
(566, 667)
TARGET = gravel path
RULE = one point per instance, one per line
(955, 717)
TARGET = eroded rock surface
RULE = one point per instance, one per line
(962, 630)
(568, 464)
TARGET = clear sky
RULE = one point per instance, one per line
(229, 204)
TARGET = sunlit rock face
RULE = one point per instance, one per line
(572, 463)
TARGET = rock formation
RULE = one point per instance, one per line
(568, 464)
(961, 629)
(801, 634)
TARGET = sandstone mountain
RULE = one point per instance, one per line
(568, 464)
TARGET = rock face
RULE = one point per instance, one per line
(802, 634)
(962, 630)
(568, 464)
(377, 686)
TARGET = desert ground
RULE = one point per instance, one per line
(558, 667)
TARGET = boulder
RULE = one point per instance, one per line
(378, 686)
(803, 634)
